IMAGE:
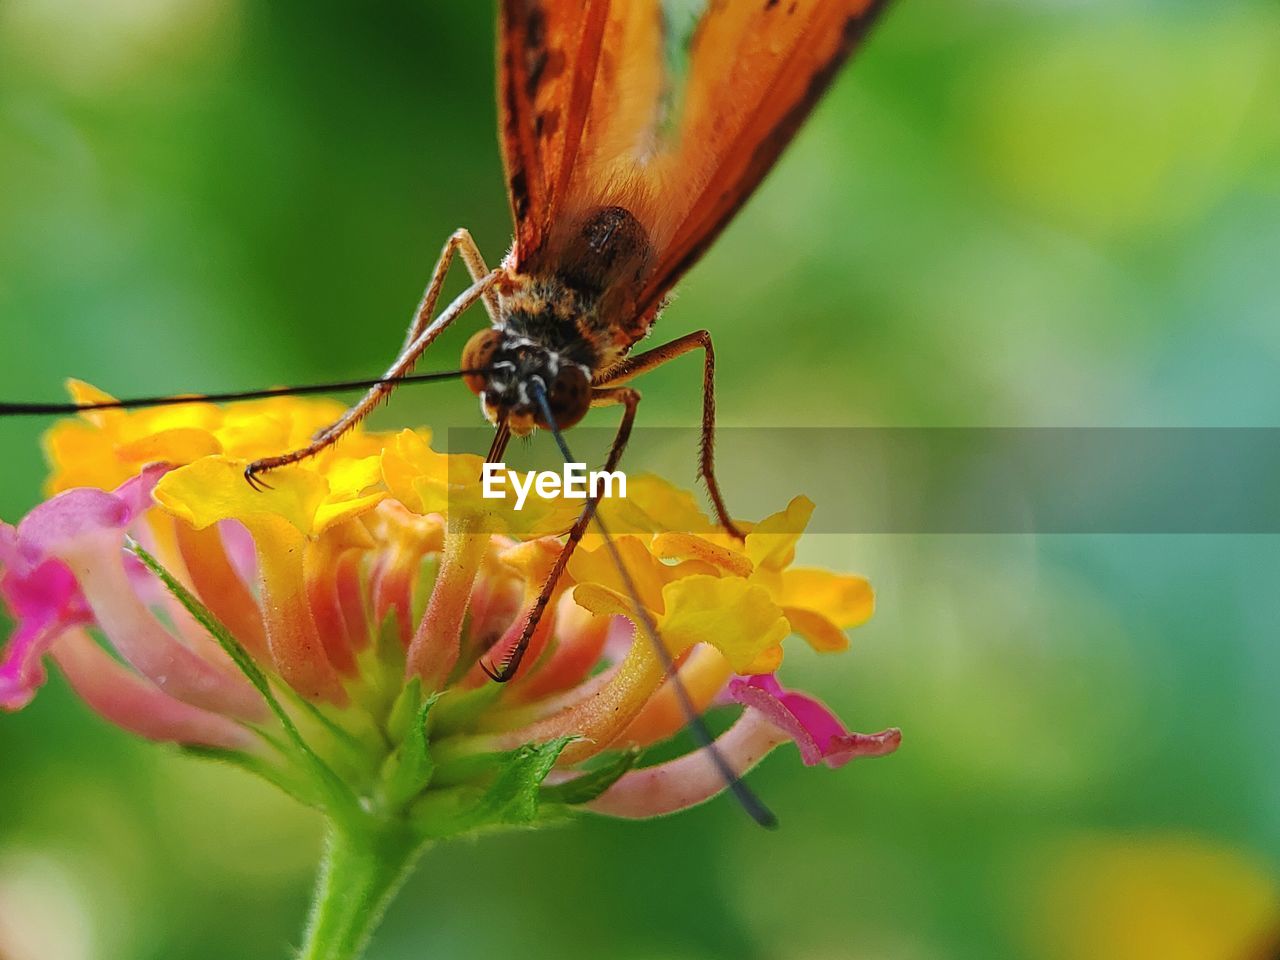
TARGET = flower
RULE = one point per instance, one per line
(328, 633)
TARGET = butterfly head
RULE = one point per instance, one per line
(510, 364)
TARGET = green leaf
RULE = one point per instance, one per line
(406, 708)
(459, 709)
(453, 768)
(338, 797)
(381, 665)
(408, 769)
(356, 748)
(590, 785)
(512, 799)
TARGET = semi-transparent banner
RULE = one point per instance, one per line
(934, 480)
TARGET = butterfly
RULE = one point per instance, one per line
(619, 179)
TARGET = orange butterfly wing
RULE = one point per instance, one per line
(589, 118)
(756, 71)
(548, 53)
(579, 85)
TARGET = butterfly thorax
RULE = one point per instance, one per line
(560, 318)
(579, 289)
(566, 319)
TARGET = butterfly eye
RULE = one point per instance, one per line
(478, 355)
(569, 397)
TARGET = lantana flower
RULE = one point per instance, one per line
(328, 633)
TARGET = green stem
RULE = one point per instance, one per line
(363, 869)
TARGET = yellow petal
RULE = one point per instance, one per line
(653, 505)
(738, 618)
(844, 599)
(1158, 897)
(84, 393)
(821, 634)
(349, 477)
(429, 482)
(772, 543)
(332, 512)
(215, 489)
(680, 546)
(179, 445)
(534, 560)
(768, 661)
(648, 574)
(404, 462)
(81, 455)
(602, 601)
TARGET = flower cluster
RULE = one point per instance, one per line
(328, 632)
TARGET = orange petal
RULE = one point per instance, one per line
(433, 653)
(703, 674)
(295, 645)
(600, 718)
(219, 586)
(177, 446)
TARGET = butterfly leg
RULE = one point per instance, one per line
(630, 399)
(402, 366)
(643, 362)
(460, 243)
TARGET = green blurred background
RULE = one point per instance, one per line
(1005, 214)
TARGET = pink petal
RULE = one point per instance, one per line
(69, 517)
(128, 701)
(692, 779)
(10, 557)
(84, 529)
(135, 493)
(818, 734)
(44, 600)
(22, 672)
(74, 513)
(243, 555)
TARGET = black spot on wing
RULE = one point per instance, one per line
(535, 48)
(536, 61)
(535, 24)
(546, 123)
(520, 194)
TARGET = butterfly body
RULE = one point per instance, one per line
(587, 291)
(574, 313)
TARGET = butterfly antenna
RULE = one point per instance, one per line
(752, 804)
(136, 403)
